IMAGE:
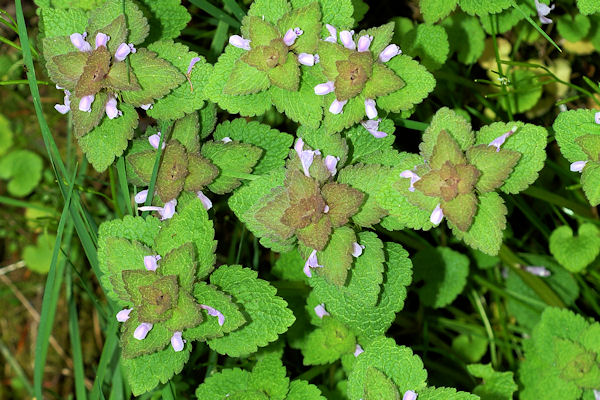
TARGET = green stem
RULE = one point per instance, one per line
(488, 327)
(493, 23)
(549, 197)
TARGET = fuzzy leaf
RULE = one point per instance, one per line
(461, 210)
(397, 363)
(327, 343)
(271, 10)
(495, 166)
(383, 82)
(529, 140)
(157, 339)
(168, 18)
(434, 10)
(155, 75)
(483, 7)
(69, 67)
(275, 144)
(111, 9)
(335, 12)
(336, 258)
(452, 123)
(432, 393)
(446, 149)
(379, 386)
(444, 272)
(181, 262)
(382, 36)
(121, 78)
(302, 390)
(84, 122)
(308, 19)
(486, 232)
(268, 315)
(228, 382)
(590, 181)
(110, 138)
(286, 76)
(201, 173)
(246, 79)
(570, 125)
(429, 43)
(172, 172)
(496, 385)
(185, 130)
(230, 158)
(343, 200)
(587, 7)
(189, 95)
(268, 376)
(58, 22)
(575, 253)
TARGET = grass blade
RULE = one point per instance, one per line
(536, 26)
(219, 14)
(78, 371)
(235, 9)
(123, 184)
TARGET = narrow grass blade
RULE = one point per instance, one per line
(213, 11)
(123, 184)
(78, 370)
(4, 350)
(235, 9)
(108, 351)
(536, 26)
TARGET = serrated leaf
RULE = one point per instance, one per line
(379, 386)
(383, 82)
(69, 67)
(230, 158)
(419, 83)
(382, 36)
(155, 76)
(109, 139)
(343, 201)
(429, 43)
(434, 10)
(189, 95)
(308, 19)
(336, 258)
(117, 32)
(397, 362)
(23, 170)
(268, 376)
(157, 339)
(488, 225)
(201, 173)
(84, 122)
(189, 224)
(483, 7)
(208, 119)
(364, 144)
(495, 166)
(111, 9)
(335, 12)
(590, 182)
(443, 393)
(186, 130)
(181, 262)
(62, 22)
(327, 343)
(168, 18)
(570, 125)
(452, 123)
(286, 76)
(587, 7)
(271, 10)
(121, 78)
(444, 273)
(328, 144)
(575, 253)
(227, 382)
(268, 315)
(496, 385)
(302, 390)
(470, 347)
(465, 36)
(246, 79)
(172, 172)
(354, 112)
(275, 144)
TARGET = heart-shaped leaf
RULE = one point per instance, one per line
(575, 253)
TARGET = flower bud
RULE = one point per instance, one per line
(239, 42)
(193, 62)
(597, 117)
(291, 35)
(142, 330)
(78, 41)
(205, 200)
(146, 107)
(101, 39)
(347, 39)
(122, 52)
(141, 196)
(111, 108)
(364, 42)
(177, 342)
(372, 126)
(370, 108)
(308, 59)
(321, 311)
(357, 249)
(337, 107)
(85, 104)
(389, 52)
(578, 166)
(409, 395)
(151, 262)
(358, 350)
(324, 88)
(331, 164)
(214, 313)
(437, 215)
(123, 315)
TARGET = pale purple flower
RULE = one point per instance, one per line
(311, 262)
(146, 106)
(324, 88)
(85, 104)
(596, 394)
(111, 108)
(66, 107)
(358, 350)
(123, 51)
(337, 107)
(226, 139)
(578, 166)
(413, 178)
(437, 215)
(101, 39)
(597, 118)
(364, 42)
(141, 196)
(142, 330)
(409, 395)
(538, 270)
(332, 38)
(325, 209)
(239, 42)
(291, 35)
(372, 126)
(370, 108)
(123, 315)
(193, 62)
(151, 262)
(306, 156)
(321, 311)
(165, 212)
(215, 313)
(357, 249)
(347, 39)
(331, 164)
(206, 203)
(499, 141)
(177, 341)
(308, 59)
(79, 41)
(543, 10)
(154, 140)
(389, 52)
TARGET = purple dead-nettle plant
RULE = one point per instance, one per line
(306, 156)
(214, 313)
(412, 175)
(320, 311)
(311, 262)
(372, 126)
(543, 10)
(357, 249)
(151, 262)
(358, 350)
(499, 141)
(165, 212)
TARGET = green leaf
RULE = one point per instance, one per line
(397, 362)
(419, 83)
(486, 232)
(201, 173)
(185, 130)
(268, 315)
(573, 28)
(38, 257)
(444, 273)
(587, 7)
(181, 262)
(452, 123)
(23, 169)
(302, 390)
(335, 12)
(470, 348)
(446, 149)
(364, 144)
(483, 7)
(208, 119)
(354, 111)
(189, 224)
(157, 339)
(62, 22)
(116, 30)
(111, 9)
(155, 75)
(275, 144)
(443, 393)
(146, 372)
(6, 135)
(379, 386)
(221, 384)
(466, 37)
(382, 36)
(369, 269)
(268, 376)
(109, 139)
(434, 10)
(383, 82)
(570, 125)
(523, 93)
(343, 200)
(231, 159)
(209, 328)
(529, 140)
(271, 10)
(120, 77)
(172, 173)
(328, 144)
(246, 79)
(575, 253)
(132, 228)
(308, 19)
(167, 19)
(507, 19)
(429, 43)
(336, 258)
(590, 181)
(248, 105)
(495, 166)
(286, 76)
(189, 95)
(84, 122)
(328, 343)
(496, 385)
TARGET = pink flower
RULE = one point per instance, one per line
(205, 200)
(324, 88)
(111, 108)
(597, 118)
(291, 35)
(154, 141)
(214, 313)
(331, 164)
(578, 166)
(66, 107)
(337, 107)
(538, 271)
(308, 59)
(141, 196)
(543, 10)
(357, 249)
(177, 341)
(123, 51)
(165, 212)
(306, 156)
(123, 315)
(239, 42)
(389, 52)
(193, 62)
(146, 107)
(499, 141)
(151, 262)
(364, 42)
(101, 39)
(372, 126)
(409, 395)
(311, 262)
(142, 330)
(412, 176)
(85, 104)
(370, 109)
(358, 350)
(347, 39)
(78, 41)
(437, 215)
(321, 311)
(332, 38)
